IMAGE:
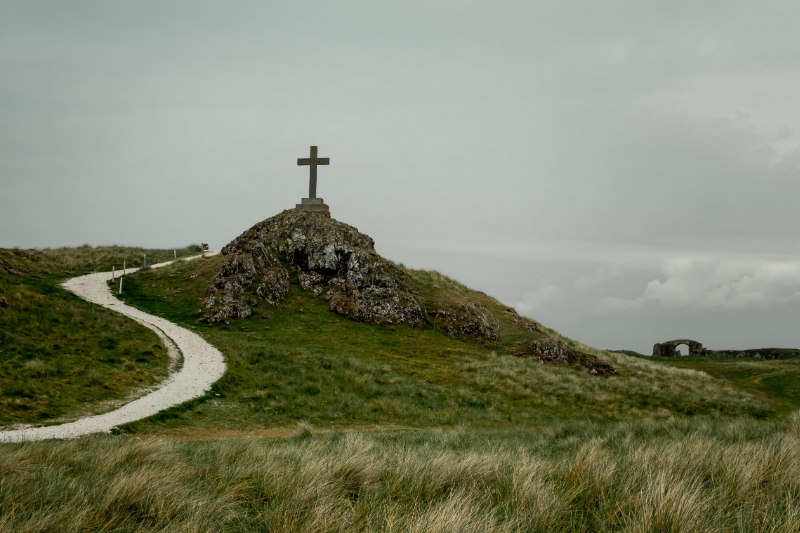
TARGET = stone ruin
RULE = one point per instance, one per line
(670, 348)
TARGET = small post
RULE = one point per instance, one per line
(123, 268)
(175, 253)
(145, 261)
(112, 273)
(120, 285)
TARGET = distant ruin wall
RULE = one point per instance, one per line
(670, 349)
(761, 354)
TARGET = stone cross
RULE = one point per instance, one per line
(313, 161)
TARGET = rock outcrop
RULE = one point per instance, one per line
(330, 259)
(524, 322)
(555, 352)
(463, 317)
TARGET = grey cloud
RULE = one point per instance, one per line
(523, 147)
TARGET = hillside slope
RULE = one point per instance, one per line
(336, 262)
(532, 444)
(301, 357)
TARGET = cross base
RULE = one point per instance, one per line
(313, 204)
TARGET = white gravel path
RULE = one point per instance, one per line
(202, 366)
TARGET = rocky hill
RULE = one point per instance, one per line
(336, 262)
(329, 258)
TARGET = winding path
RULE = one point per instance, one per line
(202, 366)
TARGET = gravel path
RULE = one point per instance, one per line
(202, 366)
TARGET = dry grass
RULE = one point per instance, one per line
(642, 469)
(676, 475)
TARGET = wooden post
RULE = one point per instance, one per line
(112, 273)
(175, 253)
(123, 267)
(120, 285)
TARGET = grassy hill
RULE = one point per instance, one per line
(325, 424)
(61, 357)
(299, 361)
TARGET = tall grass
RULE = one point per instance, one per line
(678, 475)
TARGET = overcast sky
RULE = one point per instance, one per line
(626, 172)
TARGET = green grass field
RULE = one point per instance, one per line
(680, 474)
(774, 381)
(322, 424)
(298, 361)
(61, 357)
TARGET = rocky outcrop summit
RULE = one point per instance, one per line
(337, 263)
(330, 259)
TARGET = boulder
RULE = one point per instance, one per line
(463, 317)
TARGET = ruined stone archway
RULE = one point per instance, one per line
(669, 348)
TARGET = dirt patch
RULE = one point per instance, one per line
(196, 434)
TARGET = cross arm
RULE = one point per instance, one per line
(315, 161)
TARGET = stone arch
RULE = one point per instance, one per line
(669, 348)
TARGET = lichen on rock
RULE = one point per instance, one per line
(552, 351)
(274, 285)
(463, 317)
(331, 259)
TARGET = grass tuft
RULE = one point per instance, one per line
(302, 430)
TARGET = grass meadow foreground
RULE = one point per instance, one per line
(675, 475)
(325, 424)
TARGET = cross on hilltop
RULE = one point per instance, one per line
(313, 161)
(312, 203)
